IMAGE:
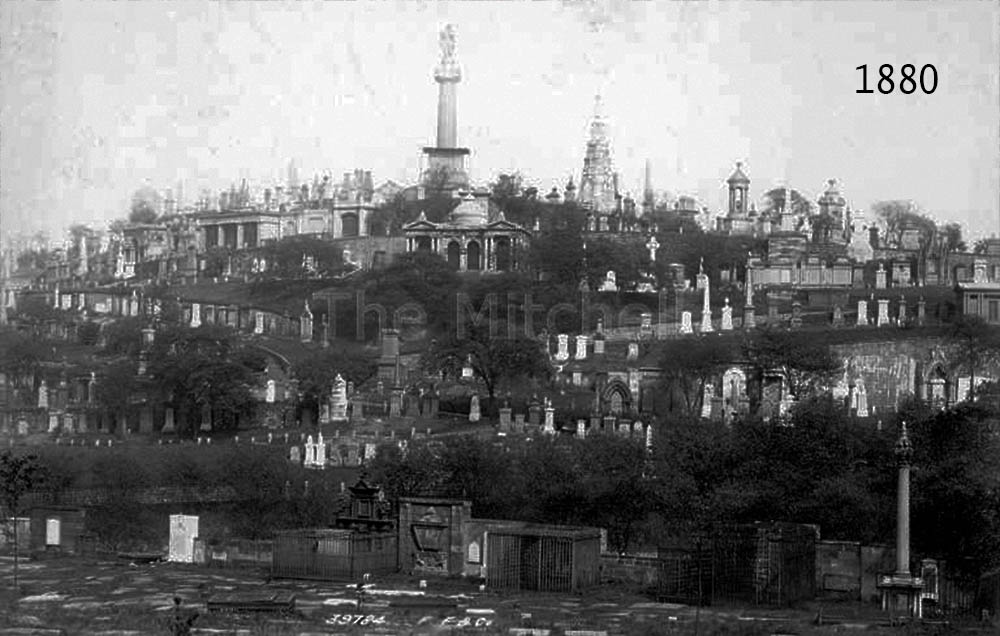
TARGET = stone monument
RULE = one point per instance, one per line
(686, 327)
(883, 312)
(862, 313)
(474, 413)
(338, 400)
(706, 307)
(610, 283)
(901, 591)
(727, 317)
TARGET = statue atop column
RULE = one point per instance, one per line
(448, 69)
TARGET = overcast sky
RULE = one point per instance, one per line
(101, 98)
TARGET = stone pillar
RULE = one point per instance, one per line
(904, 455)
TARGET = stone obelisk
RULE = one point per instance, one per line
(445, 170)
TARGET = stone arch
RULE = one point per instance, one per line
(473, 256)
(734, 387)
(617, 398)
(454, 255)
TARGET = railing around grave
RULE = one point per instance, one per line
(333, 554)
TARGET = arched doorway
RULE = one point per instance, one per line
(473, 256)
(454, 255)
(349, 224)
(503, 254)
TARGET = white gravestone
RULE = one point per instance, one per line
(195, 314)
(474, 413)
(581, 428)
(686, 327)
(43, 395)
(562, 353)
(258, 323)
(610, 283)
(550, 422)
(581, 347)
(183, 532)
(269, 395)
(862, 313)
(338, 400)
(883, 312)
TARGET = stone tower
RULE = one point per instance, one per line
(597, 185)
(739, 186)
(445, 169)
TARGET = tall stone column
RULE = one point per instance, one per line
(447, 115)
(904, 455)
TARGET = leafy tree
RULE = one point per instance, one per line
(507, 186)
(805, 364)
(976, 343)
(145, 203)
(317, 372)
(956, 486)
(408, 473)
(21, 356)
(217, 259)
(493, 360)
(774, 200)
(286, 258)
(19, 474)
(688, 365)
(258, 477)
(903, 216)
(123, 337)
(205, 368)
(117, 387)
(416, 278)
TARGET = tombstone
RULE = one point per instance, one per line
(796, 321)
(623, 428)
(706, 309)
(883, 312)
(633, 351)
(902, 311)
(535, 415)
(599, 345)
(195, 315)
(338, 400)
(610, 283)
(772, 313)
(880, 277)
(649, 437)
(550, 422)
(979, 273)
(862, 313)
(269, 394)
(183, 532)
(206, 419)
(727, 317)
(562, 351)
(474, 413)
(258, 323)
(921, 311)
(81, 424)
(43, 395)
(22, 426)
(310, 452)
(581, 428)
(53, 422)
(519, 422)
(505, 418)
(686, 327)
(838, 316)
(646, 324)
(395, 403)
(581, 347)
(412, 404)
(306, 324)
(67, 423)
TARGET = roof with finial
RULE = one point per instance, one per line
(738, 175)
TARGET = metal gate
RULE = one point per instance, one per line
(333, 554)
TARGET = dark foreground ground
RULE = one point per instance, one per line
(105, 598)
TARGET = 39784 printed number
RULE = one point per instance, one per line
(356, 619)
(908, 82)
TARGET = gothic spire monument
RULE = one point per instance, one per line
(445, 167)
(597, 184)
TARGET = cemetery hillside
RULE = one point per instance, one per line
(483, 401)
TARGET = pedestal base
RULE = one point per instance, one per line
(901, 594)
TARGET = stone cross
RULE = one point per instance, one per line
(652, 245)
